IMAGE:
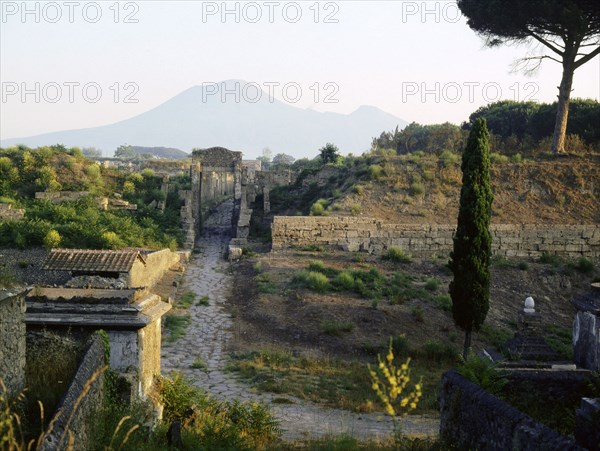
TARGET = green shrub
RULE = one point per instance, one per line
(483, 373)
(397, 255)
(176, 326)
(444, 302)
(517, 158)
(375, 171)
(186, 300)
(316, 265)
(418, 314)
(355, 209)
(585, 265)
(317, 281)
(317, 209)
(432, 284)
(203, 301)
(417, 189)
(551, 259)
(436, 351)
(344, 281)
(449, 158)
(336, 328)
(52, 239)
(357, 189)
(498, 158)
(265, 284)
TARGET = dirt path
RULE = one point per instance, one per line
(207, 340)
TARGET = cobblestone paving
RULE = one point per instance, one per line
(210, 331)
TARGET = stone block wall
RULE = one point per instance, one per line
(12, 341)
(471, 418)
(81, 401)
(428, 240)
(61, 196)
(157, 264)
(8, 213)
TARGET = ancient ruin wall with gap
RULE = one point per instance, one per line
(428, 240)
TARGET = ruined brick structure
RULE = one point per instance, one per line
(216, 176)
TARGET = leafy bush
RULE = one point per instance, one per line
(314, 280)
(397, 255)
(432, 284)
(585, 265)
(52, 239)
(417, 188)
(483, 373)
(375, 171)
(317, 209)
(336, 328)
(344, 281)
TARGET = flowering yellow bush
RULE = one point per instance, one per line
(390, 387)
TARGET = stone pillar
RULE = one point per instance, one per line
(196, 174)
(586, 329)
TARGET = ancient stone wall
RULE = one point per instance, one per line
(61, 196)
(187, 218)
(471, 418)
(77, 407)
(428, 240)
(216, 176)
(8, 213)
(157, 264)
(12, 340)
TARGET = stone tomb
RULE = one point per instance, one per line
(131, 319)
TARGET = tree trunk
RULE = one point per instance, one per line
(467, 344)
(564, 97)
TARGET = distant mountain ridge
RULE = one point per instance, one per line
(199, 118)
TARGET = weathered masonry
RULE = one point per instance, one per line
(216, 176)
(131, 318)
(428, 240)
(128, 268)
(12, 340)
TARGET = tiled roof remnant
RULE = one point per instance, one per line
(87, 260)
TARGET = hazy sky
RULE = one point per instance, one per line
(100, 62)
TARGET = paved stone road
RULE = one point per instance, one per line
(207, 338)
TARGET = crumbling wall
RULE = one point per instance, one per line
(428, 240)
(81, 401)
(12, 341)
(58, 197)
(157, 264)
(8, 213)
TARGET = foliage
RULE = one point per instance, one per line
(336, 328)
(329, 153)
(390, 383)
(283, 159)
(484, 373)
(213, 424)
(430, 139)
(567, 28)
(397, 255)
(126, 152)
(52, 239)
(470, 258)
(176, 326)
(186, 300)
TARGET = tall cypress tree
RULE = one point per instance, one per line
(470, 259)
